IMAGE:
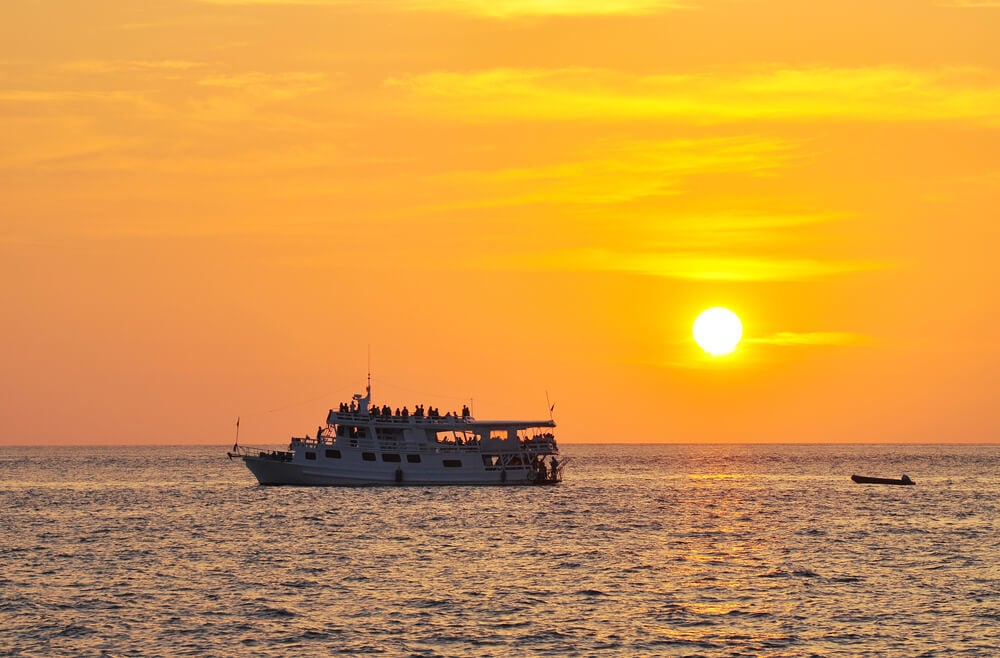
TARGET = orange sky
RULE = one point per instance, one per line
(210, 209)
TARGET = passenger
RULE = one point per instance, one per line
(555, 467)
(406, 412)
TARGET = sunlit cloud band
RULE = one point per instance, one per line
(878, 93)
(502, 9)
(789, 338)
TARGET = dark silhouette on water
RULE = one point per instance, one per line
(864, 479)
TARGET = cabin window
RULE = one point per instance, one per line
(489, 461)
(368, 456)
(453, 463)
(455, 437)
(413, 459)
(390, 457)
(310, 455)
(333, 454)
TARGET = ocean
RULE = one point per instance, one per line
(643, 550)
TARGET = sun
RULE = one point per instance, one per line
(718, 331)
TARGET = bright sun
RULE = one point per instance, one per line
(718, 331)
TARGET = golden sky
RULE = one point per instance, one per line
(211, 209)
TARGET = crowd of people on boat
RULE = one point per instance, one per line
(419, 411)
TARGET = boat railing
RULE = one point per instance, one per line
(358, 418)
(451, 446)
(260, 453)
(534, 446)
(541, 444)
(358, 442)
(337, 442)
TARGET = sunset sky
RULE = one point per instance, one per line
(211, 209)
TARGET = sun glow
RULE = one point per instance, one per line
(718, 331)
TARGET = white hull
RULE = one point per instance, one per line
(273, 472)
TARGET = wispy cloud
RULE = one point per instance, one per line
(115, 115)
(773, 93)
(276, 85)
(70, 96)
(777, 231)
(100, 66)
(697, 266)
(503, 9)
(619, 171)
(969, 3)
(790, 338)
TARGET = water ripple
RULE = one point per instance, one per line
(644, 550)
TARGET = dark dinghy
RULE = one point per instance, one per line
(862, 479)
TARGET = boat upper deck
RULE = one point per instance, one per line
(444, 423)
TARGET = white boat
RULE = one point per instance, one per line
(365, 445)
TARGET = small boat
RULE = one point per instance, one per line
(362, 444)
(864, 479)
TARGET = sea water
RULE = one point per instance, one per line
(644, 550)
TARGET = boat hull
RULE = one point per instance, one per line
(273, 472)
(863, 479)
